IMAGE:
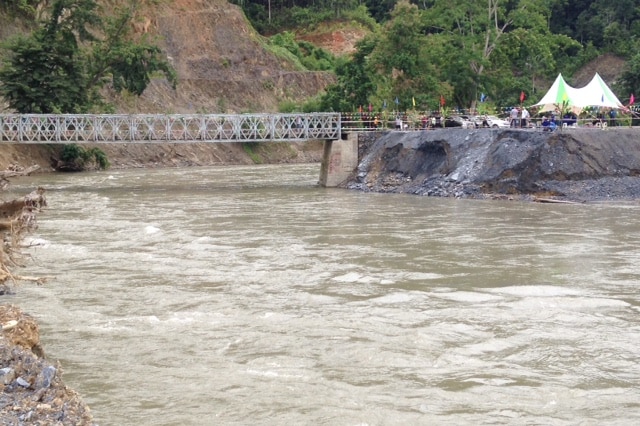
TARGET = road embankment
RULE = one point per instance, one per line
(573, 164)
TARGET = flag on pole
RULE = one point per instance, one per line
(522, 96)
(397, 101)
(482, 97)
(370, 107)
(632, 99)
(442, 100)
(360, 109)
(414, 101)
(384, 104)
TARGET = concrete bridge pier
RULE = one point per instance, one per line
(339, 160)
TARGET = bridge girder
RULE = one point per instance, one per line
(168, 128)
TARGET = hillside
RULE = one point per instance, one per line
(608, 66)
(222, 66)
(338, 37)
(221, 62)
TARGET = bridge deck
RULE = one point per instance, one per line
(175, 128)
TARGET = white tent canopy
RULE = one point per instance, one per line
(562, 96)
(598, 94)
(558, 94)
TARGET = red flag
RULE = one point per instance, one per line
(441, 100)
(522, 96)
(632, 99)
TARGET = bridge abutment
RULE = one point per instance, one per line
(339, 160)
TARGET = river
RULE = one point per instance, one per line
(252, 296)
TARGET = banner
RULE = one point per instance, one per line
(522, 96)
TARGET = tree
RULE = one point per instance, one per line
(496, 47)
(629, 81)
(380, 9)
(477, 29)
(355, 84)
(403, 60)
(61, 66)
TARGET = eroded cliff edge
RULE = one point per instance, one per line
(33, 392)
(574, 164)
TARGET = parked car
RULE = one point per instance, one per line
(491, 121)
(458, 121)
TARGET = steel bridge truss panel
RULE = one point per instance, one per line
(10, 128)
(32, 128)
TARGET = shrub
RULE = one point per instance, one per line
(77, 158)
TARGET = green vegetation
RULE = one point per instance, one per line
(62, 65)
(307, 55)
(20, 7)
(76, 157)
(419, 54)
(430, 51)
(250, 149)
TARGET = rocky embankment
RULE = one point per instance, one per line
(574, 165)
(33, 392)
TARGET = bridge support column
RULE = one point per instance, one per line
(339, 160)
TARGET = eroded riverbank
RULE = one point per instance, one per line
(576, 164)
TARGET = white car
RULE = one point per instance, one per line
(491, 121)
(458, 121)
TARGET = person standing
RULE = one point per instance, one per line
(514, 117)
(525, 117)
(612, 117)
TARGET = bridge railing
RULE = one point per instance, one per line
(146, 128)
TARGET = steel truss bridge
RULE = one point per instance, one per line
(168, 128)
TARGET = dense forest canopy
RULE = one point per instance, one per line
(458, 52)
(418, 53)
(587, 21)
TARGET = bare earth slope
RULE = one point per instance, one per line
(221, 62)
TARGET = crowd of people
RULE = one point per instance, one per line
(397, 121)
(518, 117)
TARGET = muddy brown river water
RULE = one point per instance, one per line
(249, 295)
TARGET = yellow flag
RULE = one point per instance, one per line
(414, 101)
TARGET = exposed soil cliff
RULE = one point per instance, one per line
(168, 155)
(576, 164)
(221, 62)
